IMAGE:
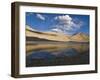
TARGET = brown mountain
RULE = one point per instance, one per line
(80, 37)
(51, 36)
(34, 35)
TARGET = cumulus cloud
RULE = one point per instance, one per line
(67, 24)
(40, 16)
(64, 19)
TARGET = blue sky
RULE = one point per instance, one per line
(64, 23)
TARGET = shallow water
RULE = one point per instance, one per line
(52, 54)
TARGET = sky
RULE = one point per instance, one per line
(62, 23)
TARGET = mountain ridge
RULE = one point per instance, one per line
(52, 36)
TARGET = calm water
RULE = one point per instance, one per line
(52, 54)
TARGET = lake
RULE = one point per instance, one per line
(54, 54)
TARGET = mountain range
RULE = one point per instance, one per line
(35, 35)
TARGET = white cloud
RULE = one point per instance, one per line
(63, 18)
(56, 30)
(67, 24)
(40, 16)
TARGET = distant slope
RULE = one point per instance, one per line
(46, 35)
(32, 34)
(80, 37)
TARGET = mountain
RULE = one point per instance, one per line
(80, 37)
(53, 36)
(34, 35)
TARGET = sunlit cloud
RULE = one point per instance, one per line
(67, 24)
(56, 30)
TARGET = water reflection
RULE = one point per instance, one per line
(57, 54)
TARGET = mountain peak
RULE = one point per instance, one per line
(82, 37)
(80, 33)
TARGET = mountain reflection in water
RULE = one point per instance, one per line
(51, 54)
